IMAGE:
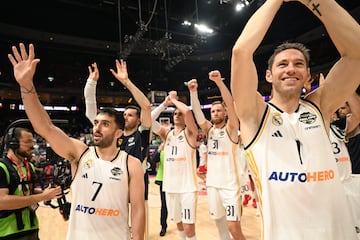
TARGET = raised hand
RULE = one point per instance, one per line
(215, 76)
(24, 65)
(121, 73)
(192, 85)
(93, 72)
(173, 95)
(167, 102)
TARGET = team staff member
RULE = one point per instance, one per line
(105, 179)
(18, 198)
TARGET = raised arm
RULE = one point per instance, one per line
(203, 123)
(155, 113)
(249, 105)
(343, 78)
(90, 92)
(233, 121)
(121, 74)
(24, 64)
(191, 127)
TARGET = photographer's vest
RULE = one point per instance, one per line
(20, 187)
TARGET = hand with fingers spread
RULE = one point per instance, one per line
(121, 73)
(93, 72)
(24, 65)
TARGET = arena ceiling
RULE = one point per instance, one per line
(161, 52)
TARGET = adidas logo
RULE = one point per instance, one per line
(277, 134)
(84, 175)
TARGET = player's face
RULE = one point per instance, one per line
(289, 72)
(178, 118)
(218, 113)
(131, 119)
(105, 131)
(26, 145)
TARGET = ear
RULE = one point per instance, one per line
(118, 133)
(268, 76)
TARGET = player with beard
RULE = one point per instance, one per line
(223, 144)
(18, 219)
(105, 179)
(136, 135)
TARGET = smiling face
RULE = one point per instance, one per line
(288, 73)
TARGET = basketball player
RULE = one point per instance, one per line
(223, 143)
(179, 179)
(286, 140)
(105, 179)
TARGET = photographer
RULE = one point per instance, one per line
(18, 200)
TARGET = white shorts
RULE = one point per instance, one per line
(224, 202)
(182, 207)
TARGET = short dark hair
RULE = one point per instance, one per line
(117, 115)
(13, 135)
(290, 45)
(134, 107)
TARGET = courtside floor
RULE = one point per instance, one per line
(53, 227)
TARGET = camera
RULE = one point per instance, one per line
(57, 172)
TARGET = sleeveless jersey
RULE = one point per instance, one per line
(179, 164)
(100, 199)
(337, 136)
(222, 168)
(294, 169)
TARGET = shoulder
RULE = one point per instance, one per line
(134, 166)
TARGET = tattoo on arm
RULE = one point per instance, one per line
(315, 7)
(24, 90)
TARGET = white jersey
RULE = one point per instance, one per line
(179, 164)
(202, 153)
(337, 136)
(300, 193)
(222, 168)
(100, 199)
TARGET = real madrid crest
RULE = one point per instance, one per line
(88, 164)
(277, 119)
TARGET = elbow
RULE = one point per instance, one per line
(147, 107)
(242, 51)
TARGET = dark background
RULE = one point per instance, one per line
(161, 53)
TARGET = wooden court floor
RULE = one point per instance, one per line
(53, 227)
